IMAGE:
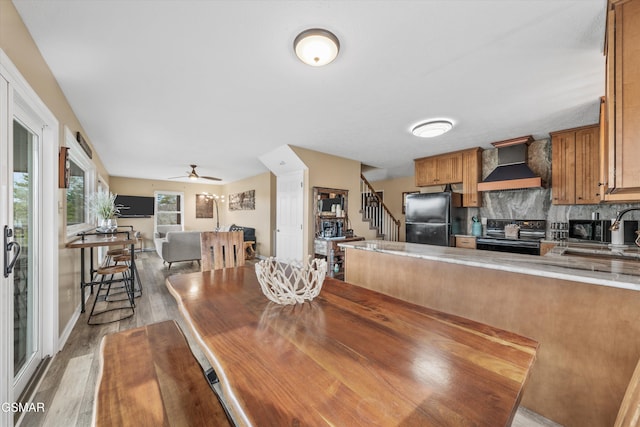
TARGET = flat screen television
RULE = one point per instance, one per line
(135, 206)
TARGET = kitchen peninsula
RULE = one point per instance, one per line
(583, 313)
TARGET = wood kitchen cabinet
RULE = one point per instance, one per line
(426, 172)
(575, 168)
(439, 170)
(467, 242)
(458, 167)
(471, 176)
(622, 168)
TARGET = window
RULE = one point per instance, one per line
(81, 185)
(169, 208)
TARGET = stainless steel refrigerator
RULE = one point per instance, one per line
(434, 218)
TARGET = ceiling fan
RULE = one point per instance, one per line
(193, 175)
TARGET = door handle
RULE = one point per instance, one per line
(8, 248)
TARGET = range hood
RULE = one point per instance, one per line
(512, 171)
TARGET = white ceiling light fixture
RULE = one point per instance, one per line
(432, 128)
(316, 47)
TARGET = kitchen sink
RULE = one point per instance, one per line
(626, 255)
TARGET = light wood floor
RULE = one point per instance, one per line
(68, 387)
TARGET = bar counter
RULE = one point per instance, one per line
(606, 272)
(582, 311)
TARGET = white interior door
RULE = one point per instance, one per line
(290, 216)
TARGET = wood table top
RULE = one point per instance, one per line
(350, 357)
(103, 239)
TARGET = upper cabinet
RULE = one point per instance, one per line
(439, 170)
(471, 176)
(576, 166)
(621, 166)
(458, 167)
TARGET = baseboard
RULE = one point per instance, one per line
(66, 332)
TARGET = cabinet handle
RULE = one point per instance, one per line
(597, 194)
(579, 198)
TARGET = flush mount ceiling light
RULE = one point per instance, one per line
(316, 47)
(432, 128)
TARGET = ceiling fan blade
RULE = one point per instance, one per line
(193, 174)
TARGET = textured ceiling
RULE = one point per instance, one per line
(158, 85)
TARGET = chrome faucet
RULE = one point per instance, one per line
(616, 223)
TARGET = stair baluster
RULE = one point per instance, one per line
(377, 214)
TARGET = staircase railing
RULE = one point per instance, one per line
(376, 212)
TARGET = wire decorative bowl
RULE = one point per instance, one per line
(291, 283)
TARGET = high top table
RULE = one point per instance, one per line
(351, 357)
(94, 240)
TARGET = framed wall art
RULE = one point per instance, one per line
(245, 201)
(204, 206)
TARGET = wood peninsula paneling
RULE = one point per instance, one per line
(588, 334)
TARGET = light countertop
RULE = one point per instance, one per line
(618, 273)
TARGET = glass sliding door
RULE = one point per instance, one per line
(26, 330)
(29, 222)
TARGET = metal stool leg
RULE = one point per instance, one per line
(127, 260)
(104, 290)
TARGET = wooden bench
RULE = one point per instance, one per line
(149, 377)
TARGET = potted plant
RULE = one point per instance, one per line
(103, 206)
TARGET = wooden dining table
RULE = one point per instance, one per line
(350, 357)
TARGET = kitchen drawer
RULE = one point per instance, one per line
(467, 242)
(546, 247)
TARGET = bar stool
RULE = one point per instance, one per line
(104, 289)
(111, 253)
(126, 258)
(109, 260)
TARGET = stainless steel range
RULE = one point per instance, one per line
(513, 235)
